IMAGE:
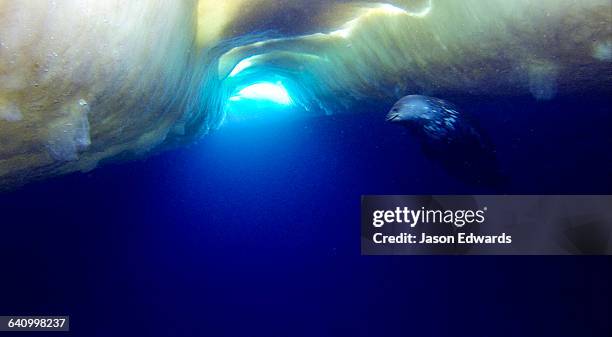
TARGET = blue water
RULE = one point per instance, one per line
(254, 231)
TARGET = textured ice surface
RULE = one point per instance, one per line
(70, 134)
(10, 112)
(543, 81)
(148, 67)
(603, 50)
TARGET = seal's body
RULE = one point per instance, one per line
(449, 137)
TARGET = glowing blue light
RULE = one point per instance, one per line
(265, 91)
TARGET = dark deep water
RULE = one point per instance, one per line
(255, 232)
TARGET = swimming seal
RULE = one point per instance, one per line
(449, 138)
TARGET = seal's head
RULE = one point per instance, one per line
(411, 108)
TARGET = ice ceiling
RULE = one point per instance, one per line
(87, 81)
